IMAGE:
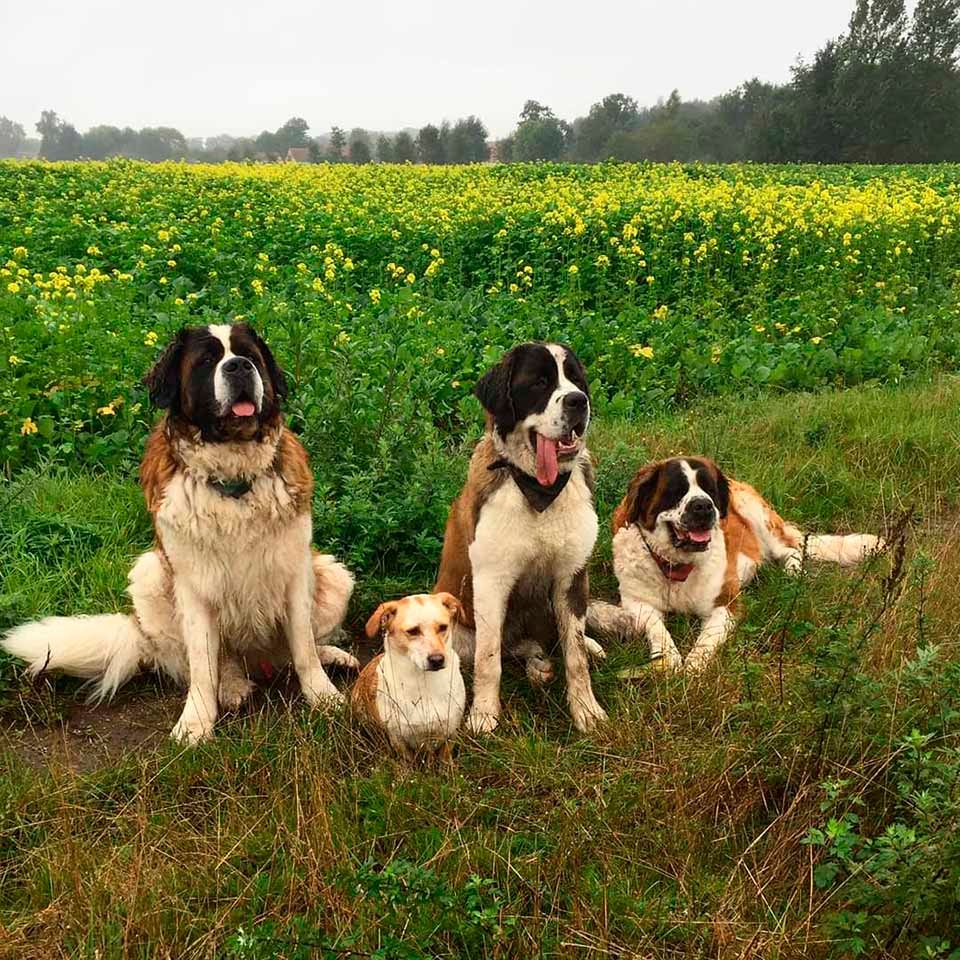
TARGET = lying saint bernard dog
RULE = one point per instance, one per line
(231, 580)
(686, 540)
(520, 534)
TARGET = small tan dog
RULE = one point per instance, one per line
(414, 691)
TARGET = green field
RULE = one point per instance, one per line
(799, 324)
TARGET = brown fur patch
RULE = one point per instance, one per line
(739, 538)
(456, 576)
(578, 594)
(293, 464)
(158, 466)
(363, 695)
(641, 497)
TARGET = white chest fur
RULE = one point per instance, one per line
(239, 554)
(420, 707)
(513, 538)
(642, 581)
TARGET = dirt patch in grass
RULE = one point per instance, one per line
(89, 737)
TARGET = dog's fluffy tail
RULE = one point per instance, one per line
(612, 621)
(847, 551)
(105, 648)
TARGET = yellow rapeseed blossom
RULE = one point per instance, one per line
(106, 411)
(28, 427)
(638, 350)
(14, 360)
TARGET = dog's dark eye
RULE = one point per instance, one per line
(442, 628)
(541, 382)
(413, 632)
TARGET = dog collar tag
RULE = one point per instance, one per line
(538, 496)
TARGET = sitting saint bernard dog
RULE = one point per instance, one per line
(686, 539)
(231, 581)
(520, 534)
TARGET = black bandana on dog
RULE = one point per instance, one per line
(538, 496)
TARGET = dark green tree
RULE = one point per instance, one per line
(429, 145)
(384, 149)
(338, 142)
(12, 138)
(539, 135)
(404, 148)
(359, 146)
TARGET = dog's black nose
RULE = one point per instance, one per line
(436, 661)
(237, 365)
(575, 402)
(699, 513)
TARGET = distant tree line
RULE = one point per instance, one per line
(885, 91)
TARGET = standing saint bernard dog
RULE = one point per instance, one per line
(232, 580)
(520, 534)
(686, 540)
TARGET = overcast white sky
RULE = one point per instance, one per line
(239, 67)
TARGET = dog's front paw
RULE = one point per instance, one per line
(191, 728)
(319, 691)
(594, 650)
(539, 671)
(587, 715)
(697, 661)
(331, 656)
(480, 722)
(234, 691)
(668, 660)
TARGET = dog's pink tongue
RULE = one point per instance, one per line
(547, 469)
(243, 408)
(699, 536)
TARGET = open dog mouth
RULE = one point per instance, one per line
(694, 541)
(550, 450)
(243, 407)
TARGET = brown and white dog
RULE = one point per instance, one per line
(231, 580)
(686, 540)
(414, 690)
(520, 534)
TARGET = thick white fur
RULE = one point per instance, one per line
(511, 540)
(104, 648)
(419, 708)
(240, 583)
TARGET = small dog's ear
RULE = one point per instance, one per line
(723, 492)
(633, 507)
(381, 618)
(451, 603)
(493, 390)
(163, 380)
(278, 377)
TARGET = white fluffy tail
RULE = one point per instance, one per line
(847, 551)
(105, 648)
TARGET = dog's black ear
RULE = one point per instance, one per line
(635, 506)
(163, 379)
(494, 391)
(278, 377)
(575, 370)
(723, 493)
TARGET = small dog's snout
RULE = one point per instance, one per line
(436, 661)
(699, 512)
(237, 365)
(575, 402)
